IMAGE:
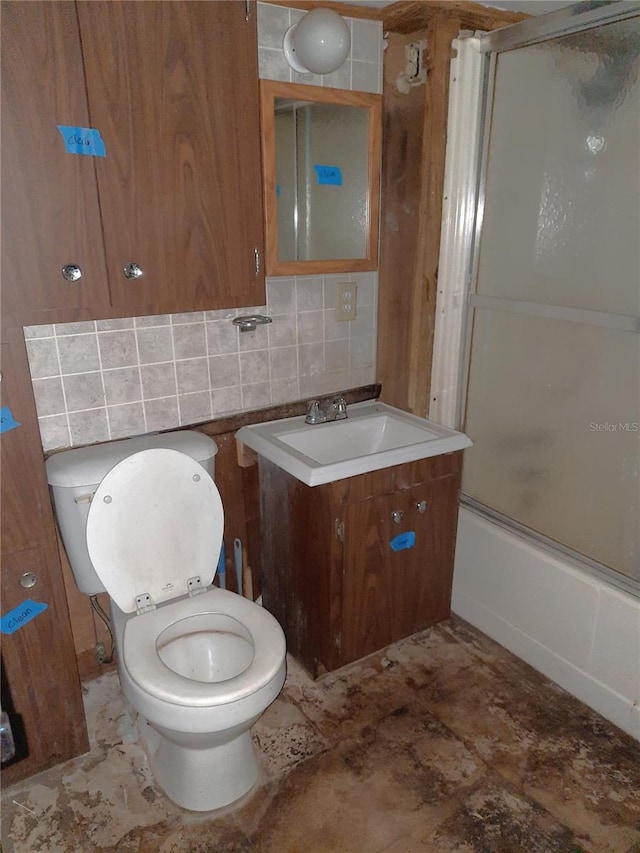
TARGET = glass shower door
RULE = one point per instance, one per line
(553, 390)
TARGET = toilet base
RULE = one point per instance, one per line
(202, 779)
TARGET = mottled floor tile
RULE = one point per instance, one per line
(442, 743)
(498, 819)
(285, 737)
(325, 805)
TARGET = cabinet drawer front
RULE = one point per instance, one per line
(389, 480)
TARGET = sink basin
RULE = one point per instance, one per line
(374, 436)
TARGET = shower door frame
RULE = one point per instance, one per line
(571, 19)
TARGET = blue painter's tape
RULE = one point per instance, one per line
(403, 541)
(7, 421)
(329, 175)
(82, 140)
(278, 191)
(21, 615)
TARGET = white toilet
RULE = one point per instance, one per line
(199, 664)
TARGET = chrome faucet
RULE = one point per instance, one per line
(329, 410)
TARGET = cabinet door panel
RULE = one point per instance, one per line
(173, 88)
(40, 684)
(25, 508)
(391, 594)
(50, 213)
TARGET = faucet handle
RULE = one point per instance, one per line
(315, 415)
(340, 408)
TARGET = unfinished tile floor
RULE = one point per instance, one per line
(443, 742)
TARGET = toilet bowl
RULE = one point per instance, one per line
(199, 664)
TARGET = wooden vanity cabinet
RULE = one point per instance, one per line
(172, 88)
(329, 573)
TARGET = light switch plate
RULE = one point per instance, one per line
(346, 294)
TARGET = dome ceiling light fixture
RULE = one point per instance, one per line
(319, 43)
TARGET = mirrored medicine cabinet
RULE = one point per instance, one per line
(321, 167)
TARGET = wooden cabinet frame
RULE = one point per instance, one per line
(269, 91)
(328, 573)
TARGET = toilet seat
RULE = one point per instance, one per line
(154, 529)
(145, 667)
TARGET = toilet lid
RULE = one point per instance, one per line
(155, 521)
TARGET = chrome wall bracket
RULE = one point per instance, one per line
(248, 322)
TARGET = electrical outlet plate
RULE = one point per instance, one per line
(346, 293)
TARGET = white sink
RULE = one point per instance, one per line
(374, 436)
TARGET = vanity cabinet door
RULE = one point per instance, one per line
(50, 210)
(173, 88)
(390, 594)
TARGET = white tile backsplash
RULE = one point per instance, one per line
(99, 380)
(362, 70)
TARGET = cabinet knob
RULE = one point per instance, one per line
(397, 515)
(28, 580)
(421, 506)
(132, 270)
(71, 272)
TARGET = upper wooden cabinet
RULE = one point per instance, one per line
(172, 87)
(50, 208)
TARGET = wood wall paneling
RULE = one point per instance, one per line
(408, 16)
(414, 148)
(403, 156)
(39, 659)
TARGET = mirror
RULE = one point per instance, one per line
(321, 166)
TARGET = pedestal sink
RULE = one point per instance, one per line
(374, 436)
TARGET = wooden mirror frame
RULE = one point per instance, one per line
(269, 91)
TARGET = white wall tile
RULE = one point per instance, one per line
(366, 52)
(117, 349)
(187, 370)
(54, 432)
(43, 357)
(161, 414)
(194, 407)
(78, 353)
(89, 427)
(126, 420)
(158, 380)
(155, 344)
(273, 22)
(190, 340)
(49, 396)
(83, 391)
(254, 367)
(366, 39)
(224, 400)
(192, 375)
(224, 370)
(122, 385)
(256, 396)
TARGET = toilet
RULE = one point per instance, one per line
(142, 520)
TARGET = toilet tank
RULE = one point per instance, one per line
(74, 475)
